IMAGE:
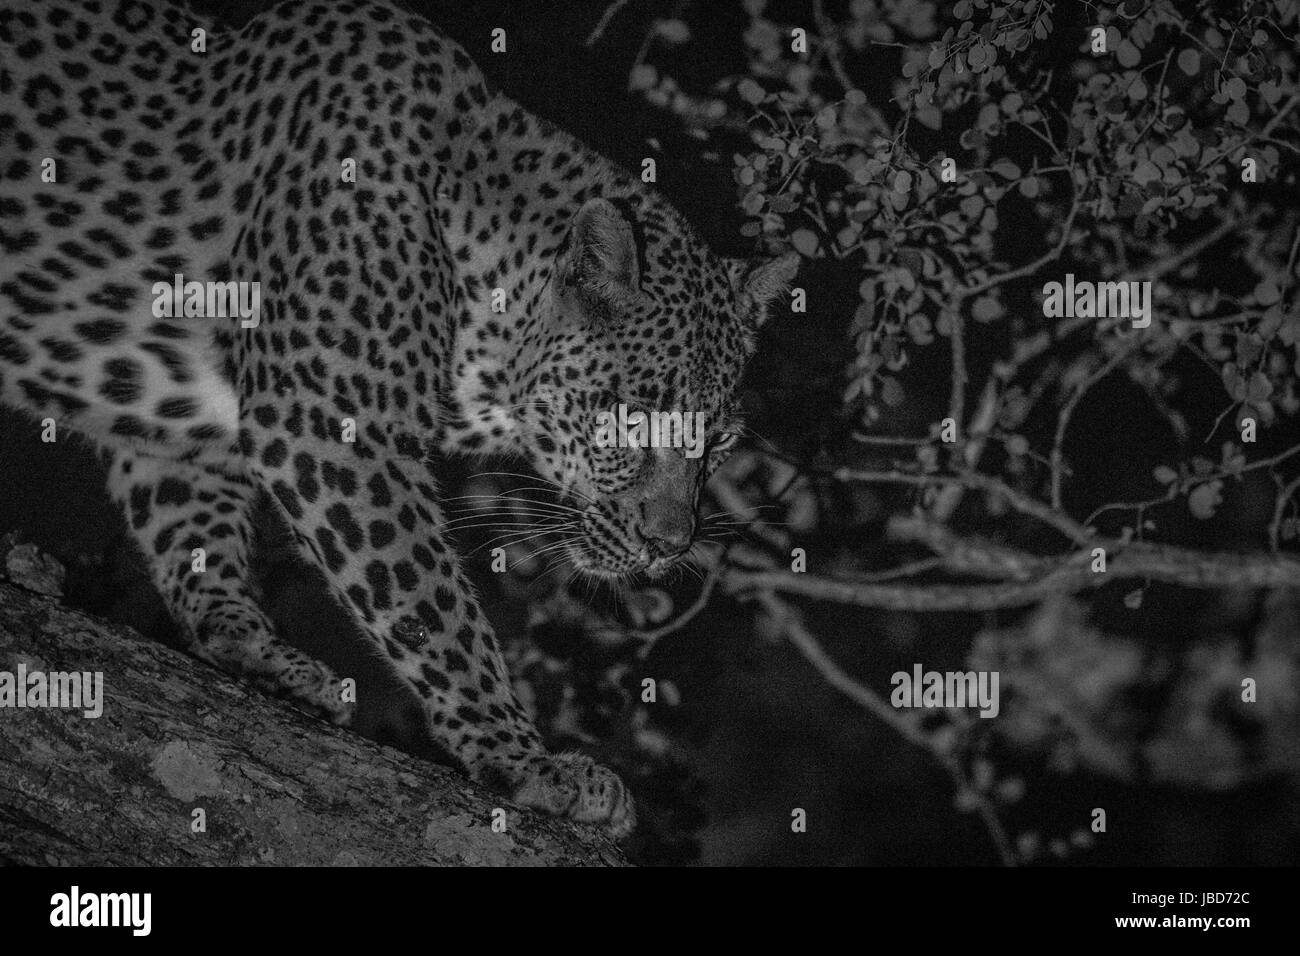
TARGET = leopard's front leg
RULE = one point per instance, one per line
(370, 520)
(175, 510)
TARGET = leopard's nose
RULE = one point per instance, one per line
(667, 536)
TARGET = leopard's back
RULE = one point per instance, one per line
(112, 185)
(144, 143)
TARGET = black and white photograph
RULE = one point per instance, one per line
(651, 434)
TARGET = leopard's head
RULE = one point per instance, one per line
(643, 323)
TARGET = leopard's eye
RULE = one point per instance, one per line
(720, 448)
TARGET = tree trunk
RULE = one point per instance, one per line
(275, 786)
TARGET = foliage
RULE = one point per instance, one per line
(936, 165)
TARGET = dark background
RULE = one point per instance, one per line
(757, 731)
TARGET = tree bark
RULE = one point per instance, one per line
(275, 785)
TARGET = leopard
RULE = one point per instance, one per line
(439, 272)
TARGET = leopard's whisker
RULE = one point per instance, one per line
(546, 483)
(521, 535)
(507, 518)
(539, 553)
(519, 539)
(505, 521)
(526, 501)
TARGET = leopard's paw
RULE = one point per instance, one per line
(314, 688)
(575, 786)
(281, 671)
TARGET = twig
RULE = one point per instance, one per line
(1063, 420)
(648, 638)
(831, 44)
(957, 395)
(610, 13)
(977, 437)
(1279, 508)
(792, 627)
(1171, 492)
(1268, 128)
(1021, 502)
(1192, 250)
(1050, 255)
(1165, 563)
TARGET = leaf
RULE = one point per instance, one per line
(986, 308)
(673, 31)
(1128, 56)
(1189, 61)
(1165, 475)
(1006, 169)
(1267, 292)
(1010, 789)
(750, 91)
(1145, 172)
(1133, 600)
(1259, 389)
(805, 242)
(891, 393)
(643, 77)
(918, 328)
(1205, 499)
(911, 260)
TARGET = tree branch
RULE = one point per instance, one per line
(274, 785)
(791, 625)
(1067, 575)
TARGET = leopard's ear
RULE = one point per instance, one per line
(759, 283)
(599, 262)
